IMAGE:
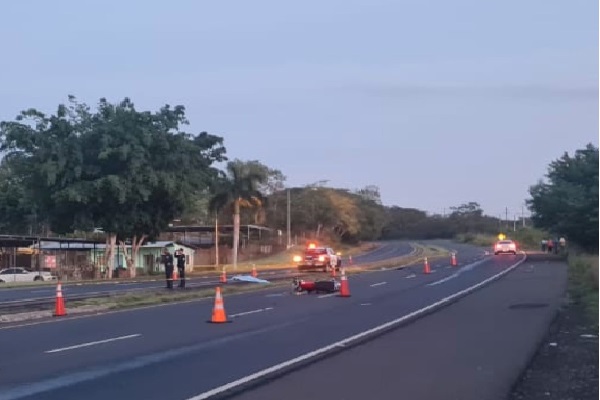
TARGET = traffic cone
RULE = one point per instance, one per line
(453, 261)
(218, 314)
(175, 277)
(59, 308)
(426, 268)
(254, 273)
(223, 278)
(344, 288)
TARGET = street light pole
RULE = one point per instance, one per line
(289, 220)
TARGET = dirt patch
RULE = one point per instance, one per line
(566, 364)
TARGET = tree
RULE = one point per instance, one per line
(567, 202)
(126, 171)
(17, 213)
(239, 188)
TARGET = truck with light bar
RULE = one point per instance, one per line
(320, 258)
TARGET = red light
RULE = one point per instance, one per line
(312, 246)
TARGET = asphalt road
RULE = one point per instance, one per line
(387, 250)
(474, 349)
(170, 352)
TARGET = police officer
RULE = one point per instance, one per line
(180, 256)
(167, 260)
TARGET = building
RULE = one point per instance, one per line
(85, 260)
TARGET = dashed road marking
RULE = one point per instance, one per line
(251, 312)
(88, 344)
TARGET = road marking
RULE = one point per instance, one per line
(326, 295)
(378, 284)
(466, 268)
(349, 340)
(251, 312)
(365, 304)
(276, 294)
(78, 346)
(411, 276)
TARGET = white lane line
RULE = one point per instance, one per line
(349, 340)
(78, 346)
(326, 295)
(378, 284)
(411, 276)
(365, 304)
(251, 312)
(276, 294)
(462, 270)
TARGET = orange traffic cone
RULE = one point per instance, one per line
(254, 273)
(223, 278)
(59, 308)
(175, 277)
(218, 314)
(453, 261)
(344, 288)
(426, 268)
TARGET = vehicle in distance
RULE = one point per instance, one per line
(23, 275)
(319, 258)
(505, 247)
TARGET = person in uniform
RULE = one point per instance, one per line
(167, 261)
(180, 256)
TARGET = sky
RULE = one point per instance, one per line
(436, 102)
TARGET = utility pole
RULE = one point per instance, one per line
(515, 223)
(523, 214)
(506, 219)
(289, 220)
(217, 240)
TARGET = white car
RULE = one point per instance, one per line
(22, 275)
(505, 246)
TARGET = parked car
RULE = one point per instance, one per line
(23, 275)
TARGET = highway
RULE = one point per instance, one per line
(171, 352)
(386, 250)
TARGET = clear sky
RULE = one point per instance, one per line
(436, 102)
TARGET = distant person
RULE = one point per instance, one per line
(563, 243)
(180, 256)
(544, 245)
(550, 245)
(167, 261)
(556, 246)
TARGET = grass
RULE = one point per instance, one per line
(131, 300)
(583, 282)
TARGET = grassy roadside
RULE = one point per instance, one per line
(583, 283)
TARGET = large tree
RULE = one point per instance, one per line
(566, 203)
(239, 187)
(129, 172)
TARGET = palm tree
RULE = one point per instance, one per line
(238, 188)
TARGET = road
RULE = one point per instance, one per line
(387, 250)
(170, 352)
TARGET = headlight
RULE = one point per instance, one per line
(321, 258)
(297, 258)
